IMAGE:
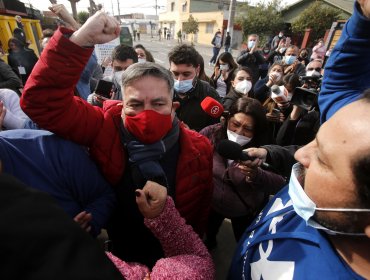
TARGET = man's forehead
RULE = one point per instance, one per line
(351, 124)
(292, 50)
(142, 89)
(182, 65)
(126, 62)
(180, 68)
(315, 64)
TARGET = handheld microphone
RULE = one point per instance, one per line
(231, 150)
(305, 78)
(212, 107)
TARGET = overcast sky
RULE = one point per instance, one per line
(126, 6)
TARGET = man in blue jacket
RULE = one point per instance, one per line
(62, 169)
(318, 227)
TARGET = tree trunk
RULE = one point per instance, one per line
(74, 8)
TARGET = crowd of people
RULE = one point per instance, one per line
(275, 140)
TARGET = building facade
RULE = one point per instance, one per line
(210, 14)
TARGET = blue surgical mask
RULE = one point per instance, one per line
(305, 207)
(289, 59)
(183, 86)
(251, 44)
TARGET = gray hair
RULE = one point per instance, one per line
(137, 71)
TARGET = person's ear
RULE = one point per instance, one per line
(175, 105)
(197, 70)
(367, 231)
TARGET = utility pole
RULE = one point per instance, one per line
(230, 22)
(119, 12)
(156, 8)
(111, 1)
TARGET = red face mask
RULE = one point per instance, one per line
(148, 126)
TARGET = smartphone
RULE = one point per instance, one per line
(53, 1)
(103, 89)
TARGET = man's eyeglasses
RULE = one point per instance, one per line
(318, 69)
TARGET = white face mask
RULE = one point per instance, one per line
(243, 87)
(235, 137)
(305, 207)
(277, 75)
(224, 67)
(141, 60)
(313, 73)
(117, 77)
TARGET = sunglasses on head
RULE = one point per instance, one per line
(318, 69)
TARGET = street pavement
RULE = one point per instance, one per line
(160, 49)
(223, 253)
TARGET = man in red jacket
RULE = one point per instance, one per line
(132, 141)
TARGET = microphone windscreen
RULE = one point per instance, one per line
(212, 107)
(275, 89)
(230, 150)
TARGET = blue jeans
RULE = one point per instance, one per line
(215, 54)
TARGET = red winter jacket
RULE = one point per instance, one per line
(48, 100)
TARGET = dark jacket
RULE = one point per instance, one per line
(232, 96)
(300, 131)
(233, 196)
(190, 111)
(252, 61)
(24, 58)
(42, 242)
(281, 158)
(8, 79)
(227, 40)
(261, 91)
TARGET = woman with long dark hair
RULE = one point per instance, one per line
(241, 85)
(241, 188)
(225, 65)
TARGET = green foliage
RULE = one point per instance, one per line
(317, 16)
(263, 19)
(191, 26)
(82, 17)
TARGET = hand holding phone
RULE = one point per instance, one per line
(103, 89)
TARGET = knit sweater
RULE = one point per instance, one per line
(186, 255)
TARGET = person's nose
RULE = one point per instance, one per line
(304, 154)
(148, 106)
(239, 130)
(181, 77)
